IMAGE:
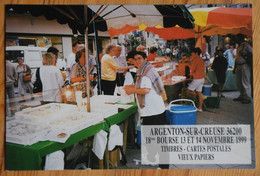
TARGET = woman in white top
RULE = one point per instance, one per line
(51, 78)
(148, 89)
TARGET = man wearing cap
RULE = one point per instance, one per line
(55, 51)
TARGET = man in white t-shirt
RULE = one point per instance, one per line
(121, 61)
(71, 57)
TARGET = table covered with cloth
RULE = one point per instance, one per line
(230, 83)
(20, 157)
(173, 86)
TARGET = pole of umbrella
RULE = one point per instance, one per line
(87, 71)
(87, 55)
(146, 42)
(97, 54)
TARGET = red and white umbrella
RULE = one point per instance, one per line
(208, 22)
(222, 20)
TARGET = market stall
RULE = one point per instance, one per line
(20, 156)
(230, 84)
(172, 76)
(173, 87)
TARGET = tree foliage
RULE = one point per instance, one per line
(132, 42)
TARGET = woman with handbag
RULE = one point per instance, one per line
(24, 79)
(78, 73)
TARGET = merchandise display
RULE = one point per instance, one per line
(62, 135)
(25, 133)
(64, 117)
(57, 121)
(178, 78)
(72, 122)
(44, 113)
(104, 104)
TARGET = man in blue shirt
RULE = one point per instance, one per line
(231, 55)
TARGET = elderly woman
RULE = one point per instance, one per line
(24, 86)
(52, 80)
(108, 70)
(79, 72)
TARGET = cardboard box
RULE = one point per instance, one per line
(114, 158)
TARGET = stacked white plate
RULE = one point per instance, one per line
(178, 78)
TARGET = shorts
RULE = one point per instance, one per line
(196, 84)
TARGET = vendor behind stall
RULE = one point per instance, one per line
(148, 89)
(153, 54)
(51, 78)
(198, 74)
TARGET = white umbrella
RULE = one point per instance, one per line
(123, 19)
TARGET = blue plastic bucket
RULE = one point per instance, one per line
(207, 89)
(181, 114)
